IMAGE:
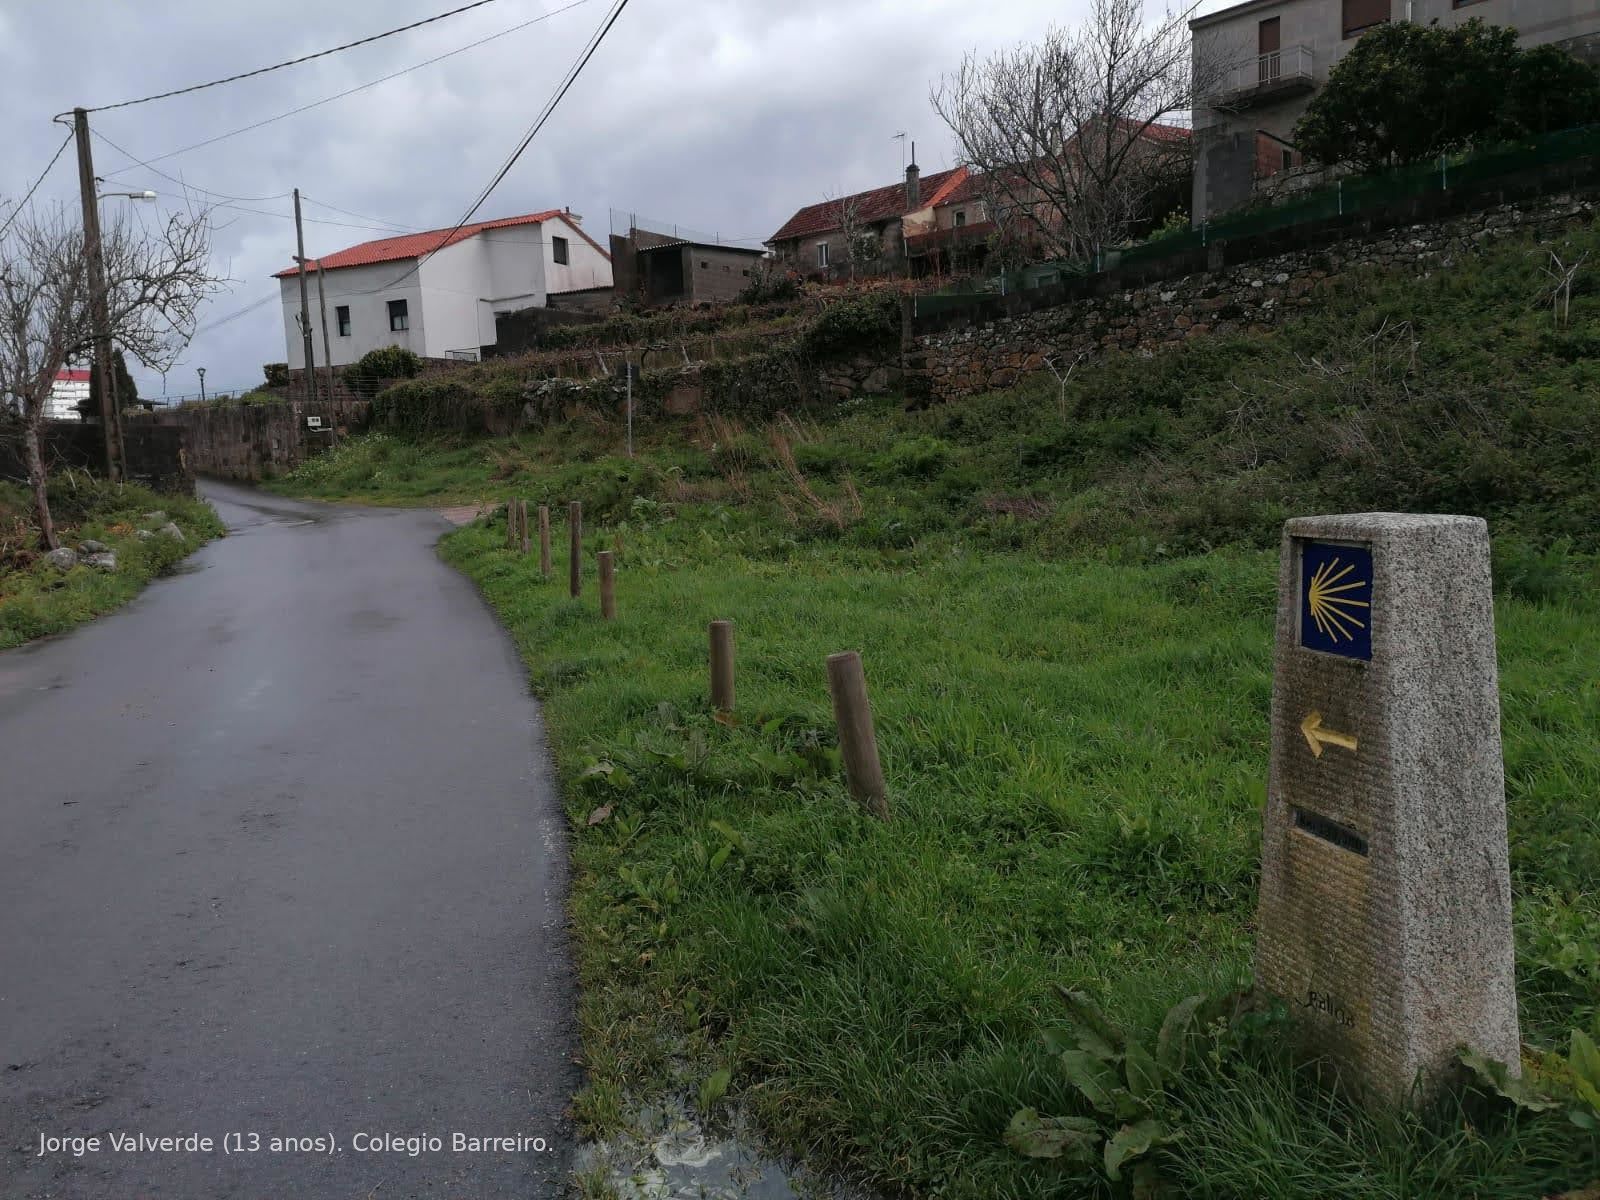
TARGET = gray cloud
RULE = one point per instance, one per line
(720, 115)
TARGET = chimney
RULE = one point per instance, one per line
(913, 183)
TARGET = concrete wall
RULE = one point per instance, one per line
(588, 266)
(1225, 165)
(715, 275)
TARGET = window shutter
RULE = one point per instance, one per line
(1359, 14)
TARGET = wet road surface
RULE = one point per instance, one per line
(280, 856)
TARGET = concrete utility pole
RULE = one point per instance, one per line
(110, 409)
(327, 360)
(305, 304)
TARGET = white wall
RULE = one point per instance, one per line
(367, 291)
(586, 267)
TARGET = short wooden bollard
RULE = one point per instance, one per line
(722, 666)
(858, 744)
(544, 540)
(608, 586)
(511, 524)
(575, 555)
(522, 523)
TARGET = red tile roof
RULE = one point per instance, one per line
(415, 245)
(880, 204)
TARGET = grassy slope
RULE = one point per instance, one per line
(1071, 697)
(36, 599)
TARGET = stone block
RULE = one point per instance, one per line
(1385, 911)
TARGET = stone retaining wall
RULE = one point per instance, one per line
(253, 441)
(963, 356)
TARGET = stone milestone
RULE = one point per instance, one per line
(1385, 911)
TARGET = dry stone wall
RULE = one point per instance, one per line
(960, 356)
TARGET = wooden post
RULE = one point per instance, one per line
(522, 523)
(722, 666)
(511, 524)
(608, 587)
(544, 540)
(847, 683)
(575, 553)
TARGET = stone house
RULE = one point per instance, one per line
(1265, 59)
(814, 239)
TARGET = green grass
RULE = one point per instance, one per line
(1066, 622)
(37, 599)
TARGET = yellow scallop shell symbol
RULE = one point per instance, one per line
(1336, 614)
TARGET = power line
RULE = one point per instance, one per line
(549, 109)
(139, 162)
(23, 203)
(293, 112)
(379, 220)
(235, 315)
(304, 58)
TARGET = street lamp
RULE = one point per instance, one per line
(145, 195)
(202, 372)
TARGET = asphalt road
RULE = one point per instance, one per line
(280, 857)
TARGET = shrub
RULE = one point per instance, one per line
(277, 374)
(388, 362)
(863, 323)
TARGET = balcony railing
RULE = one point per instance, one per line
(1265, 78)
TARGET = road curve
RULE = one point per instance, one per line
(281, 856)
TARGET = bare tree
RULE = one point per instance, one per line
(154, 287)
(861, 244)
(1070, 134)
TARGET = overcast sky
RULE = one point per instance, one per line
(720, 115)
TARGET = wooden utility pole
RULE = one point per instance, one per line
(327, 359)
(110, 408)
(305, 304)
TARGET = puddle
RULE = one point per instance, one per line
(667, 1154)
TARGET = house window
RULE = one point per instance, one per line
(961, 218)
(399, 318)
(558, 246)
(1269, 63)
(1288, 160)
(1364, 14)
(342, 315)
(704, 265)
(822, 254)
(747, 274)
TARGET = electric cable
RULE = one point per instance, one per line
(571, 78)
(364, 86)
(304, 58)
(23, 203)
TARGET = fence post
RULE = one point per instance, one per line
(722, 666)
(511, 524)
(544, 540)
(608, 587)
(522, 523)
(858, 743)
(575, 552)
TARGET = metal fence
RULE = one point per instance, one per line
(1346, 197)
(1367, 193)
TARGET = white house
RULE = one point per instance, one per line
(71, 389)
(440, 300)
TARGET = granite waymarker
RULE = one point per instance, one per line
(1385, 916)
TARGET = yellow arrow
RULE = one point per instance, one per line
(1317, 737)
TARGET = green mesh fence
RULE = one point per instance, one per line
(1366, 193)
(1357, 194)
